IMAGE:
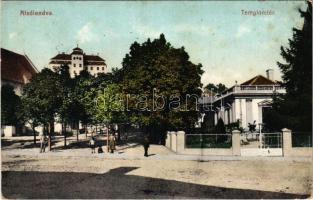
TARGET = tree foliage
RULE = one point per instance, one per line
(218, 88)
(44, 94)
(156, 67)
(10, 106)
(294, 109)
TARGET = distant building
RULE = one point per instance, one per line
(244, 102)
(77, 61)
(16, 70)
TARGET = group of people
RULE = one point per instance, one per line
(92, 143)
(112, 145)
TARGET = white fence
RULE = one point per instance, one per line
(272, 144)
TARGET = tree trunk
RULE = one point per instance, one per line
(64, 133)
(85, 127)
(34, 132)
(77, 132)
(51, 131)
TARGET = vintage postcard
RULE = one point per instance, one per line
(156, 99)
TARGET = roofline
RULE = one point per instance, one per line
(31, 63)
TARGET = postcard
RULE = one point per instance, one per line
(156, 99)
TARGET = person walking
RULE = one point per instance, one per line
(92, 144)
(146, 144)
(43, 141)
(112, 143)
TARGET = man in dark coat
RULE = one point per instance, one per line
(146, 145)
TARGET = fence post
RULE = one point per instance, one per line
(174, 141)
(168, 140)
(180, 141)
(287, 141)
(236, 142)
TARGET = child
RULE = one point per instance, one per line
(100, 150)
(92, 145)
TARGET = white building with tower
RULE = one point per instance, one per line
(246, 102)
(78, 61)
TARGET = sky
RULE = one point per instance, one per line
(231, 46)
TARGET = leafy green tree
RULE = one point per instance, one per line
(294, 109)
(44, 91)
(156, 67)
(66, 106)
(109, 104)
(10, 106)
(218, 88)
(81, 112)
(31, 113)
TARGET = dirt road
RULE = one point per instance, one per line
(70, 175)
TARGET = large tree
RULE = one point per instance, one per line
(66, 107)
(294, 109)
(45, 93)
(156, 69)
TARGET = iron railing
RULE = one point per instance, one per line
(208, 141)
(271, 140)
(301, 139)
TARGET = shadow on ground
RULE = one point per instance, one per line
(20, 144)
(116, 184)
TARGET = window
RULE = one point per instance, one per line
(80, 58)
(74, 65)
(91, 68)
(103, 68)
(97, 68)
(80, 65)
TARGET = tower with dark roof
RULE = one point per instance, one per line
(78, 61)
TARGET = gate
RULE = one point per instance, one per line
(261, 144)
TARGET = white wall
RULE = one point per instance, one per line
(255, 110)
(94, 70)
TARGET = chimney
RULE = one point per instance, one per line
(270, 74)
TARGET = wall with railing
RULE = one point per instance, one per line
(297, 143)
(291, 144)
(252, 89)
(203, 144)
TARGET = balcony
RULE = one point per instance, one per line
(252, 89)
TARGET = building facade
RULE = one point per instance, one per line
(78, 61)
(16, 70)
(245, 102)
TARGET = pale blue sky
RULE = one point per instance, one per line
(230, 46)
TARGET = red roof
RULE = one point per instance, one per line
(16, 67)
(87, 58)
(62, 56)
(259, 80)
(60, 62)
(92, 58)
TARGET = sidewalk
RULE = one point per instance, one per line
(135, 152)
